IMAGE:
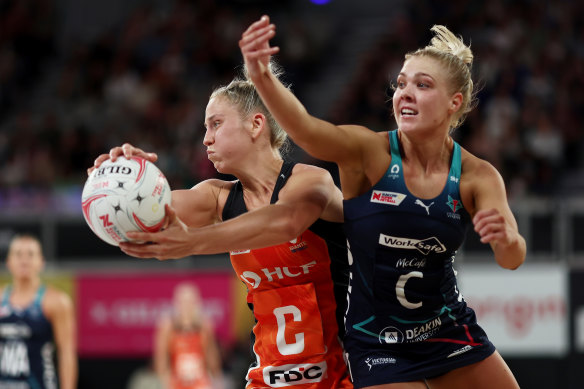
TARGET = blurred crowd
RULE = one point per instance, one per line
(529, 78)
(146, 80)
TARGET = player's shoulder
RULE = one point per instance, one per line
(214, 184)
(478, 175)
(306, 175)
(310, 169)
(473, 166)
(303, 169)
(56, 300)
(165, 323)
(211, 191)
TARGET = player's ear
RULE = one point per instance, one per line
(258, 123)
(455, 102)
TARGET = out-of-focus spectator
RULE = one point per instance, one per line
(143, 79)
(186, 355)
(531, 62)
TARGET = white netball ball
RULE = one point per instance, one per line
(125, 195)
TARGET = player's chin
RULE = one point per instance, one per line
(222, 168)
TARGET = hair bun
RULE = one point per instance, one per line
(447, 42)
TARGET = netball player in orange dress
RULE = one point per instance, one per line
(281, 223)
(185, 351)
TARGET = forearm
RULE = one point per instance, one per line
(511, 255)
(213, 362)
(313, 135)
(68, 369)
(162, 370)
(260, 228)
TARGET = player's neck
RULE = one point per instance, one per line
(25, 286)
(186, 322)
(427, 153)
(259, 182)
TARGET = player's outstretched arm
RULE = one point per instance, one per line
(321, 139)
(59, 311)
(309, 194)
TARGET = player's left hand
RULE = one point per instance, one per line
(492, 227)
(172, 242)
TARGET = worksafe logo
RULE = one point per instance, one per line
(425, 246)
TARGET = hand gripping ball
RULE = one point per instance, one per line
(125, 195)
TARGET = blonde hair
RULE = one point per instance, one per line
(457, 58)
(241, 92)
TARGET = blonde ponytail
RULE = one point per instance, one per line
(243, 94)
(457, 58)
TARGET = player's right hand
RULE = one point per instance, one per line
(255, 46)
(126, 150)
(171, 242)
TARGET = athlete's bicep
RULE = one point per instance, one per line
(489, 193)
(59, 311)
(199, 205)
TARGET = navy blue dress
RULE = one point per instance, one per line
(406, 319)
(27, 347)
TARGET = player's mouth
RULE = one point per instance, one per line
(408, 112)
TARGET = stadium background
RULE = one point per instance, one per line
(78, 77)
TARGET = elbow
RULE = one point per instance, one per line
(512, 265)
(288, 226)
(512, 260)
(290, 230)
(511, 256)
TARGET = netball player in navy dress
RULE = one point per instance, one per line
(409, 196)
(36, 324)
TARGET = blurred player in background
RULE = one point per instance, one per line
(410, 195)
(34, 321)
(280, 221)
(186, 355)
